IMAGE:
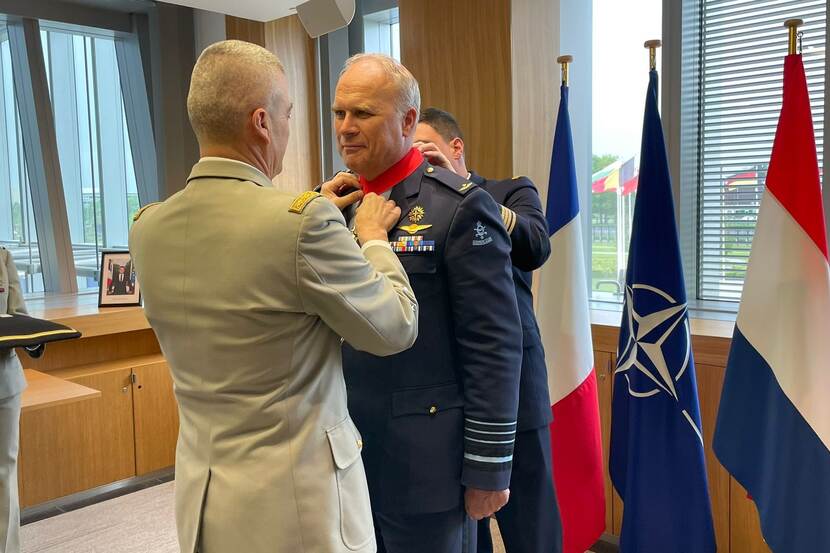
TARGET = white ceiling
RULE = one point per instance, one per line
(259, 10)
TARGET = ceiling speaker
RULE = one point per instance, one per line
(324, 16)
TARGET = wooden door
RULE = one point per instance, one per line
(709, 386)
(156, 418)
(72, 448)
(602, 365)
(744, 524)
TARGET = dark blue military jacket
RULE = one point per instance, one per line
(442, 415)
(525, 221)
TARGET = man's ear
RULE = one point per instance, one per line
(261, 125)
(410, 122)
(457, 148)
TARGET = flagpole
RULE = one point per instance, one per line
(564, 61)
(793, 25)
(652, 46)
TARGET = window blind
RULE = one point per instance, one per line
(742, 56)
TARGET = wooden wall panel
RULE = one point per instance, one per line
(289, 41)
(287, 38)
(244, 29)
(535, 87)
(460, 53)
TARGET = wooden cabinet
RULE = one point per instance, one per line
(156, 418)
(709, 385)
(603, 368)
(71, 448)
(130, 430)
(744, 524)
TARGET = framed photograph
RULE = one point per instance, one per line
(118, 284)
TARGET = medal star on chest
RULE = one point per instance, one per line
(416, 215)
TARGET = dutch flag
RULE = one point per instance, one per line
(773, 428)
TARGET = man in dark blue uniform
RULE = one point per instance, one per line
(530, 521)
(438, 421)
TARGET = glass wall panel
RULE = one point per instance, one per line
(17, 223)
(620, 77)
(93, 145)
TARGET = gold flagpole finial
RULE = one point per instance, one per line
(652, 46)
(792, 25)
(564, 61)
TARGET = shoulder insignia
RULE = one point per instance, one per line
(517, 177)
(450, 180)
(141, 211)
(300, 202)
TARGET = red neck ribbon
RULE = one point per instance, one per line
(395, 174)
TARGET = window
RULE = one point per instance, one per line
(620, 78)
(381, 33)
(743, 48)
(93, 144)
(17, 224)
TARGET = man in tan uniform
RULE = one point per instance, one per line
(12, 384)
(249, 291)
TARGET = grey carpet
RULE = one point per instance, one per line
(141, 522)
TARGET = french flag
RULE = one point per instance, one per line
(565, 326)
(773, 428)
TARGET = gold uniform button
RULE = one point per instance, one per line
(433, 410)
(430, 169)
(360, 444)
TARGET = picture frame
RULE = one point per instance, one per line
(117, 282)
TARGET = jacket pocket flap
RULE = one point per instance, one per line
(426, 401)
(345, 443)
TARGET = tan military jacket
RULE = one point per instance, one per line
(249, 291)
(12, 381)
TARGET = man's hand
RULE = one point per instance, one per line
(375, 217)
(483, 503)
(343, 190)
(434, 155)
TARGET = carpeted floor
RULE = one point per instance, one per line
(141, 522)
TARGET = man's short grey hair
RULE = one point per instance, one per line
(230, 80)
(409, 94)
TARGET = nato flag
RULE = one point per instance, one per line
(656, 462)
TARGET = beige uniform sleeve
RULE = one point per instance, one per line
(364, 296)
(16, 305)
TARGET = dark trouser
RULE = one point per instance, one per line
(529, 523)
(428, 533)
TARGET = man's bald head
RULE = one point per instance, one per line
(231, 79)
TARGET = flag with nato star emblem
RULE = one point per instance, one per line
(657, 463)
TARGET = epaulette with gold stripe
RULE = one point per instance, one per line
(142, 210)
(300, 202)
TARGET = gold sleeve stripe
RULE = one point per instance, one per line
(301, 201)
(509, 218)
(37, 335)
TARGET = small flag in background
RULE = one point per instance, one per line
(657, 463)
(773, 429)
(565, 326)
